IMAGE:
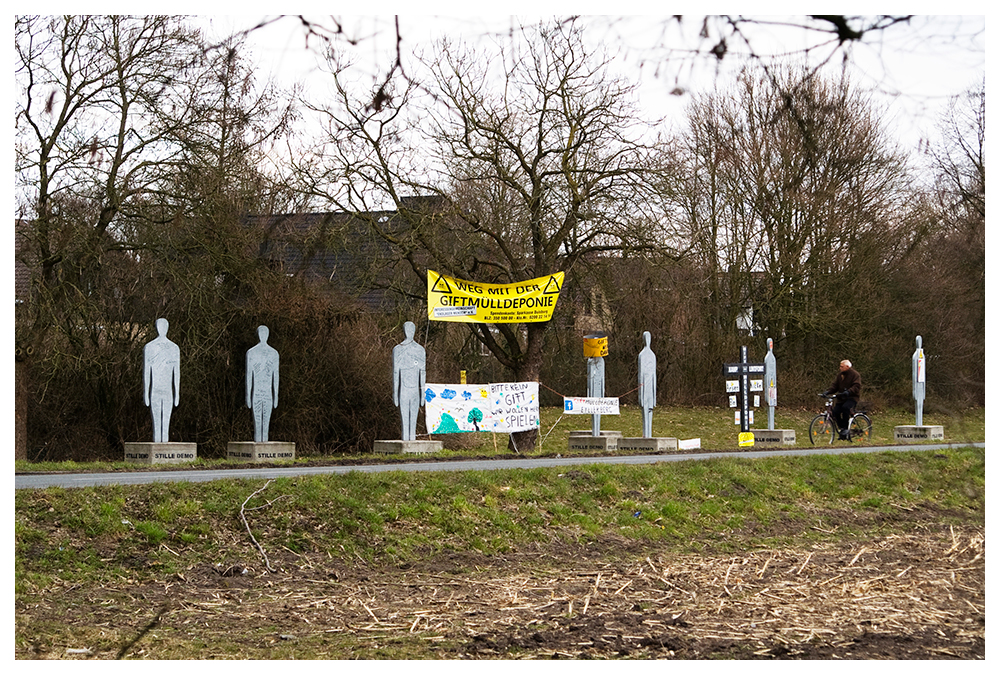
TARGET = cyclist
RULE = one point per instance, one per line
(847, 388)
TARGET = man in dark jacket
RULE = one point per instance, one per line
(847, 388)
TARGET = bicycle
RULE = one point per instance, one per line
(823, 427)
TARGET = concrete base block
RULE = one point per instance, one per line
(914, 433)
(773, 437)
(585, 441)
(396, 447)
(249, 451)
(652, 445)
(161, 453)
(590, 434)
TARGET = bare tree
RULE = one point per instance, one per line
(946, 283)
(227, 156)
(101, 101)
(960, 159)
(799, 207)
(536, 152)
(138, 155)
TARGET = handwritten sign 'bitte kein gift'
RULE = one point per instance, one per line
(514, 406)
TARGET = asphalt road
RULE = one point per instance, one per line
(66, 480)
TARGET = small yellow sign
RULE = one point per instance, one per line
(451, 299)
(595, 345)
(746, 439)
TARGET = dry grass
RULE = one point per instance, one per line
(877, 556)
(902, 596)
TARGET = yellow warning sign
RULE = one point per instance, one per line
(595, 345)
(746, 439)
(451, 299)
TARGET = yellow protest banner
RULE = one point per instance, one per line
(451, 299)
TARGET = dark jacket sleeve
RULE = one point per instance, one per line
(852, 383)
(849, 380)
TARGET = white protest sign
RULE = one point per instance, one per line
(514, 406)
(501, 407)
(456, 408)
(590, 406)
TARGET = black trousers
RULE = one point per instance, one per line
(842, 410)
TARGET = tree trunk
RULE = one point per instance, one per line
(20, 409)
(528, 370)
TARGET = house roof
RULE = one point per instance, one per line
(337, 249)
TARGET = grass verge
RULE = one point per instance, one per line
(160, 535)
(712, 425)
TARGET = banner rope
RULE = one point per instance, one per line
(562, 396)
(551, 389)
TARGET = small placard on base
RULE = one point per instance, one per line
(269, 451)
(396, 447)
(914, 433)
(161, 453)
(773, 437)
(653, 445)
(585, 441)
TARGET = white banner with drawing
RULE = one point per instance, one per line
(501, 407)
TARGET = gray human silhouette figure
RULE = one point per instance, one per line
(161, 380)
(919, 380)
(409, 372)
(595, 388)
(770, 383)
(647, 386)
(262, 384)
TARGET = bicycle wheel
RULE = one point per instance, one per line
(821, 430)
(861, 428)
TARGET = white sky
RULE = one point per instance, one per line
(914, 68)
(917, 66)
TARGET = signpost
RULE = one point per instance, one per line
(741, 389)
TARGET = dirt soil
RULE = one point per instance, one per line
(918, 595)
